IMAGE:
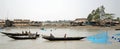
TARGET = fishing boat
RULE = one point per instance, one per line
(13, 34)
(117, 29)
(19, 34)
(50, 38)
(23, 37)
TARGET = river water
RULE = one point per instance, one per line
(40, 43)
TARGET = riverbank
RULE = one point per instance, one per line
(69, 27)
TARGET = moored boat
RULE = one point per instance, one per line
(117, 29)
(19, 34)
(23, 37)
(13, 34)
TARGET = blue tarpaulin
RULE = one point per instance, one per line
(99, 38)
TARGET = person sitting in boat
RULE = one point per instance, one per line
(51, 35)
(36, 33)
(22, 32)
(65, 35)
(26, 32)
(29, 32)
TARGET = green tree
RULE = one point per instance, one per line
(118, 19)
(109, 16)
(89, 18)
(95, 15)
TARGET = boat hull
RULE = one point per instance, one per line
(117, 29)
(22, 38)
(60, 39)
(18, 34)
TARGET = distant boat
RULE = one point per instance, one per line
(2, 27)
(13, 34)
(42, 28)
(18, 34)
(62, 38)
(117, 29)
(23, 37)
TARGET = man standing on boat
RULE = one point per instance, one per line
(51, 35)
(65, 35)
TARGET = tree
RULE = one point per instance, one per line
(118, 19)
(109, 16)
(99, 12)
(89, 18)
(99, 16)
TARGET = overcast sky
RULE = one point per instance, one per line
(54, 9)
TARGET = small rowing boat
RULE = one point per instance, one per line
(117, 29)
(23, 37)
(19, 34)
(62, 38)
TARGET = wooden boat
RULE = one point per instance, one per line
(62, 38)
(23, 37)
(18, 34)
(13, 34)
(117, 29)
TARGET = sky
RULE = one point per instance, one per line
(43, 10)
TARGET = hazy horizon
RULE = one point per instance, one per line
(43, 10)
